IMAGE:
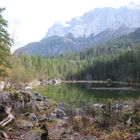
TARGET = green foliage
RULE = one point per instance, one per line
(120, 67)
(117, 60)
(5, 43)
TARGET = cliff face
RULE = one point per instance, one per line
(97, 20)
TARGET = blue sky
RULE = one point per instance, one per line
(29, 20)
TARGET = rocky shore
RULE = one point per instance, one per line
(27, 115)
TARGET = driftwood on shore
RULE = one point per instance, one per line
(9, 117)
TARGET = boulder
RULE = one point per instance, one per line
(43, 82)
(59, 113)
(28, 87)
(38, 97)
(54, 81)
(98, 105)
(23, 124)
(42, 117)
(5, 97)
(32, 117)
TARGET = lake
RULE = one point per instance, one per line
(82, 93)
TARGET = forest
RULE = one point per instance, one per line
(123, 66)
(117, 60)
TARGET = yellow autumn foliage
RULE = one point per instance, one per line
(4, 71)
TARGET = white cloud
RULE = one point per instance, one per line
(29, 20)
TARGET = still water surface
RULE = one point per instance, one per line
(82, 93)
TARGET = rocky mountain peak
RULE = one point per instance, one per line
(98, 20)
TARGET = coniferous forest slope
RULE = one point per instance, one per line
(117, 60)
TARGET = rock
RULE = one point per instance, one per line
(35, 135)
(75, 135)
(117, 106)
(2, 85)
(40, 106)
(24, 124)
(60, 122)
(32, 136)
(66, 135)
(137, 136)
(53, 115)
(28, 87)
(38, 97)
(89, 138)
(61, 106)
(42, 117)
(59, 113)
(32, 117)
(5, 97)
(98, 105)
(43, 82)
(54, 81)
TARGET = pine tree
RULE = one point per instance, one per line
(5, 43)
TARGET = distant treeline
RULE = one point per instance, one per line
(120, 67)
(117, 60)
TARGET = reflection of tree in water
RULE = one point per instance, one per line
(80, 94)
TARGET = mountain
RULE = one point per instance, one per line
(111, 48)
(57, 45)
(96, 21)
(93, 28)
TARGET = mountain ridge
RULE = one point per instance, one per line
(57, 45)
(93, 28)
(96, 21)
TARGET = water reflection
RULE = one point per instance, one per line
(82, 93)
